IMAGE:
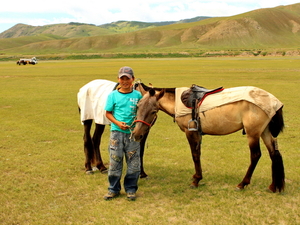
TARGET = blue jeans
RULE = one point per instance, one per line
(120, 145)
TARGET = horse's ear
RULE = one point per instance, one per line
(160, 94)
(141, 88)
(152, 92)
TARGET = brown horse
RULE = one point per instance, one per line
(91, 101)
(221, 120)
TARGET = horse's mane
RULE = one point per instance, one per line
(147, 88)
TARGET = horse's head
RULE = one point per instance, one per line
(147, 110)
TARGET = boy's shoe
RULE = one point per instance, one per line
(110, 195)
(131, 196)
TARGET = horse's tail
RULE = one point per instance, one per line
(276, 124)
(277, 172)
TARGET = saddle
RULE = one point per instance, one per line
(193, 98)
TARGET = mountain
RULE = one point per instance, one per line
(74, 30)
(277, 27)
(130, 26)
(70, 30)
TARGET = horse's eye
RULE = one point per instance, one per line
(154, 112)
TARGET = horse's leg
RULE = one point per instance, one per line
(255, 154)
(194, 139)
(142, 149)
(277, 162)
(88, 146)
(99, 129)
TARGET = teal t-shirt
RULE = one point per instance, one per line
(123, 106)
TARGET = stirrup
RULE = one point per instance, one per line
(193, 128)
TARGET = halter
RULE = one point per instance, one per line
(131, 127)
(146, 123)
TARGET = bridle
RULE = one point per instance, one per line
(131, 127)
(146, 123)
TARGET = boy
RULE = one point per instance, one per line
(121, 111)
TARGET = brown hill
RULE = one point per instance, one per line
(73, 29)
(277, 27)
(69, 30)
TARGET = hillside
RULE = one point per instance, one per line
(131, 26)
(69, 30)
(74, 30)
(277, 27)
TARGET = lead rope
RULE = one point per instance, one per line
(131, 127)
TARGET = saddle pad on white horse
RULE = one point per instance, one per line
(266, 101)
(92, 99)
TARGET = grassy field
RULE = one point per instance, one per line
(42, 160)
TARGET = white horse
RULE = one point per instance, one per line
(91, 100)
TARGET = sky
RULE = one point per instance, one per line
(98, 12)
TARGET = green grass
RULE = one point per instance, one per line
(42, 160)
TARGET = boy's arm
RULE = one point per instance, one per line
(120, 124)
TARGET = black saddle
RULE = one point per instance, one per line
(197, 93)
(192, 98)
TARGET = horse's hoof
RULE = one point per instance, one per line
(272, 189)
(89, 172)
(193, 186)
(239, 189)
(95, 169)
(143, 176)
(104, 171)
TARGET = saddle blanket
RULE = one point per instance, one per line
(92, 99)
(263, 99)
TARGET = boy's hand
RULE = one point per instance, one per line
(123, 126)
